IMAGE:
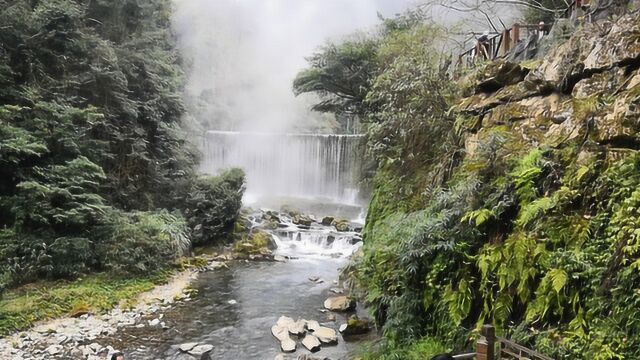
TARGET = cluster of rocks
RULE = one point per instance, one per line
(272, 220)
(311, 333)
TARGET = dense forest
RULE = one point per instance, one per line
(505, 194)
(95, 174)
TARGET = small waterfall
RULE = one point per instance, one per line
(292, 165)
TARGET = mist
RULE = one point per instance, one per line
(242, 56)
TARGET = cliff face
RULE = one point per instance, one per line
(537, 228)
(586, 88)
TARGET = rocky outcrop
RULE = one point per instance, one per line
(587, 88)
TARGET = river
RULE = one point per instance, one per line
(236, 306)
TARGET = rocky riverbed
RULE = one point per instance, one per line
(222, 310)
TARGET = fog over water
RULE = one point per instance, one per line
(242, 57)
(244, 54)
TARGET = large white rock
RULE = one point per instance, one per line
(200, 350)
(297, 328)
(311, 343)
(280, 332)
(284, 321)
(188, 346)
(288, 345)
(312, 325)
(339, 303)
(326, 335)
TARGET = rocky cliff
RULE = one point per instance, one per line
(536, 228)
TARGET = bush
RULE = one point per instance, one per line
(142, 242)
(213, 204)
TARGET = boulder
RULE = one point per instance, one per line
(187, 346)
(288, 345)
(280, 332)
(200, 350)
(340, 303)
(342, 225)
(297, 328)
(271, 216)
(302, 220)
(312, 325)
(326, 335)
(355, 326)
(327, 220)
(311, 343)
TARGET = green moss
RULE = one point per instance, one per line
(255, 243)
(24, 306)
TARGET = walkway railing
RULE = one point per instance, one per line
(486, 348)
(502, 44)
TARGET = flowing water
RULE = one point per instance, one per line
(299, 165)
(236, 307)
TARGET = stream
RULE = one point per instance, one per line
(235, 307)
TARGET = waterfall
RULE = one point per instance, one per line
(288, 165)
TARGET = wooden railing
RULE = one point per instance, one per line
(500, 45)
(486, 348)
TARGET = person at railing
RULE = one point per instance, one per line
(483, 46)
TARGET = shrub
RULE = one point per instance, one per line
(142, 242)
(213, 204)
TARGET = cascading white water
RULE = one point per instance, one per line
(292, 165)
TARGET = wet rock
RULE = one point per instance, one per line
(284, 321)
(311, 357)
(280, 332)
(271, 216)
(279, 258)
(311, 343)
(200, 350)
(355, 326)
(337, 290)
(187, 346)
(154, 322)
(341, 225)
(288, 345)
(326, 335)
(340, 303)
(327, 220)
(297, 328)
(302, 220)
(312, 325)
(313, 278)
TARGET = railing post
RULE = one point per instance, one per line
(506, 42)
(485, 347)
(515, 34)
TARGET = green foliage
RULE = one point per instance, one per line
(213, 205)
(98, 293)
(341, 75)
(91, 150)
(541, 241)
(140, 243)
